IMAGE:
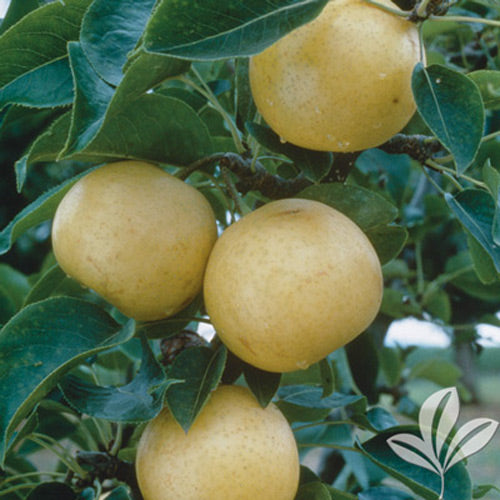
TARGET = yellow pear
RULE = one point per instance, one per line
(291, 282)
(341, 82)
(234, 450)
(137, 236)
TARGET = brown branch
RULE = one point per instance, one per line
(418, 147)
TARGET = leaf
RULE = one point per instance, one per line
(138, 401)
(92, 99)
(475, 435)
(451, 106)
(315, 490)
(211, 30)
(475, 210)
(42, 209)
(120, 493)
(263, 384)
(439, 371)
(44, 287)
(312, 397)
(383, 493)
(40, 344)
(388, 241)
(128, 122)
(17, 9)
(110, 30)
(364, 207)
(39, 38)
(488, 82)
(46, 86)
(201, 369)
(50, 490)
(314, 164)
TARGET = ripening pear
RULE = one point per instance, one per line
(235, 450)
(291, 282)
(137, 236)
(341, 82)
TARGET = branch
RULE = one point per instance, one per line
(418, 147)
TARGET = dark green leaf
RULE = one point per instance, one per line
(129, 123)
(138, 401)
(201, 369)
(312, 397)
(39, 38)
(366, 208)
(393, 169)
(422, 481)
(15, 283)
(245, 106)
(47, 283)
(213, 30)
(475, 209)
(17, 10)
(483, 263)
(262, 384)
(388, 241)
(313, 491)
(46, 86)
(488, 82)
(110, 30)
(92, 99)
(380, 418)
(40, 344)
(40, 210)
(52, 490)
(336, 494)
(384, 493)
(390, 364)
(314, 164)
(451, 106)
(363, 360)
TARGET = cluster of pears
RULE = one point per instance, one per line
(283, 286)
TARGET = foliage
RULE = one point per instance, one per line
(84, 82)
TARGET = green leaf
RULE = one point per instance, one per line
(364, 207)
(312, 397)
(42, 209)
(39, 38)
(391, 364)
(127, 123)
(421, 481)
(211, 30)
(139, 400)
(370, 211)
(384, 493)
(110, 30)
(40, 344)
(313, 491)
(46, 491)
(388, 241)
(467, 280)
(483, 489)
(488, 82)
(17, 10)
(45, 285)
(451, 106)
(483, 264)
(201, 369)
(262, 384)
(475, 209)
(314, 164)
(46, 86)
(120, 493)
(439, 371)
(92, 99)
(15, 283)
